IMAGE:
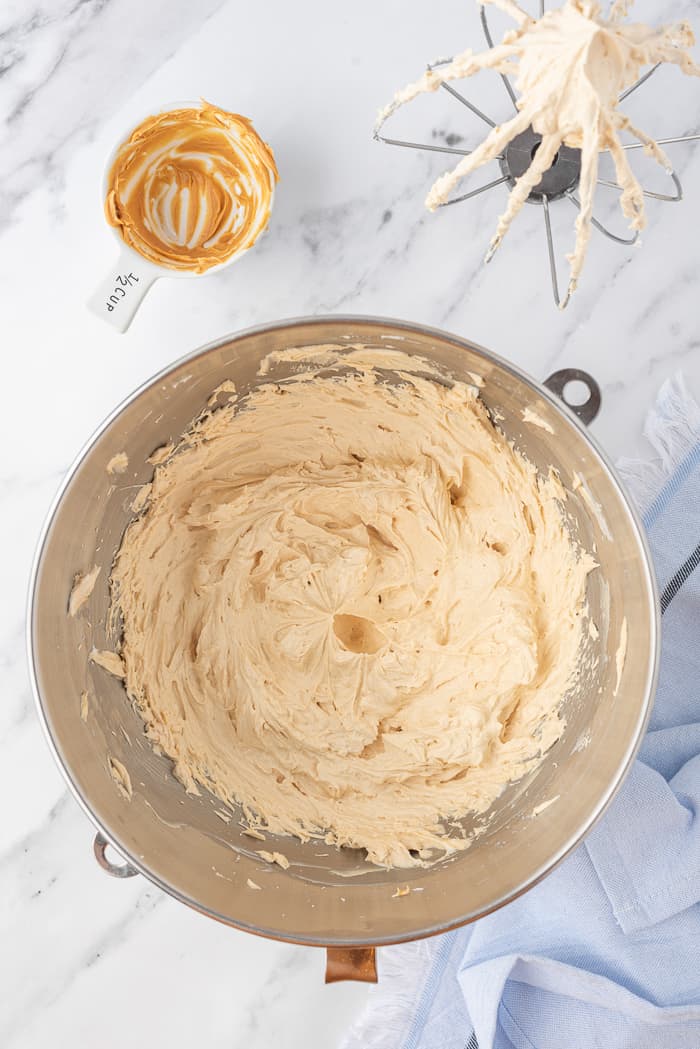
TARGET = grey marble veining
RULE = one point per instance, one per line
(65, 65)
(99, 962)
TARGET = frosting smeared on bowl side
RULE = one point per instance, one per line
(191, 187)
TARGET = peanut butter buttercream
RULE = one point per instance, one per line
(191, 187)
(352, 607)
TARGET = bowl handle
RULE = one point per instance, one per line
(557, 382)
(351, 963)
(117, 870)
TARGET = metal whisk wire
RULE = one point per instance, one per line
(565, 185)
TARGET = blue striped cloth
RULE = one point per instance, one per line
(606, 951)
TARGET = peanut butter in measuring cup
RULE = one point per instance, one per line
(189, 191)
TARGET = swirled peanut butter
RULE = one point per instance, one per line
(191, 187)
(352, 607)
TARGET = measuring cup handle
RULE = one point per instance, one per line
(120, 294)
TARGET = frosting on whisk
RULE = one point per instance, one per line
(571, 67)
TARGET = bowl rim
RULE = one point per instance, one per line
(560, 406)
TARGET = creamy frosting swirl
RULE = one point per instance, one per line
(352, 607)
(191, 187)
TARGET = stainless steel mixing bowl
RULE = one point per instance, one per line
(331, 896)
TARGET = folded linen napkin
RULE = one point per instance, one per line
(606, 950)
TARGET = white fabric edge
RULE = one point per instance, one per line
(390, 1008)
(671, 427)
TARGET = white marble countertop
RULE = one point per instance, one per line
(87, 961)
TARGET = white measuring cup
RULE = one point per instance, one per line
(122, 291)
